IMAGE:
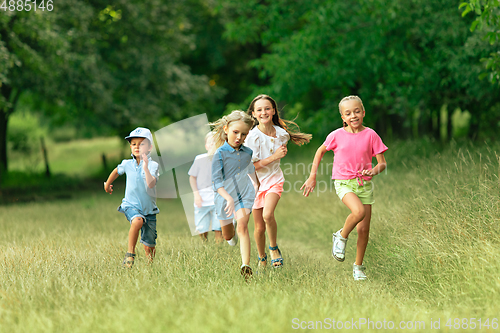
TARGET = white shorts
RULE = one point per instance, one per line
(202, 218)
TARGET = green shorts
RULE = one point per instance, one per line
(364, 193)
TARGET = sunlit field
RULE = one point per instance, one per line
(432, 260)
(74, 158)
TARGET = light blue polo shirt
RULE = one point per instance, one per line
(230, 169)
(136, 190)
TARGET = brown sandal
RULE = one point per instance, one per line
(127, 263)
(262, 260)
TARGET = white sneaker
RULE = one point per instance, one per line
(339, 243)
(233, 241)
(358, 272)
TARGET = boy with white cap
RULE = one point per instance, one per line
(139, 205)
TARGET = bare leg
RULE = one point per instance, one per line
(352, 202)
(242, 217)
(133, 233)
(270, 203)
(259, 233)
(227, 229)
(204, 236)
(363, 229)
(218, 236)
(150, 252)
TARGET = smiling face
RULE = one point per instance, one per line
(236, 133)
(139, 146)
(353, 114)
(263, 111)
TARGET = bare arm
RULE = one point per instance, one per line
(194, 186)
(381, 166)
(278, 154)
(108, 187)
(255, 180)
(310, 183)
(230, 202)
(150, 180)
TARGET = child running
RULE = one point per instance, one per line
(139, 204)
(353, 146)
(268, 141)
(200, 179)
(234, 191)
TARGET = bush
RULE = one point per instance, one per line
(24, 133)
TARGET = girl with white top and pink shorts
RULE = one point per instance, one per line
(268, 141)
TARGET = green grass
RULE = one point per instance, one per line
(74, 166)
(434, 252)
(81, 158)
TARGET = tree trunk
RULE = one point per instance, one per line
(429, 128)
(449, 125)
(11, 96)
(3, 140)
(45, 158)
(474, 122)
(437, 129)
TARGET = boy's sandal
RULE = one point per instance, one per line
(246, 272)
(261, 260)
(277, 260)
(127, 262)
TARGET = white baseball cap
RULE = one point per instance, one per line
(140, 132)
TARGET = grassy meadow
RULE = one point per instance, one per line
(434, 254)
(74, 158)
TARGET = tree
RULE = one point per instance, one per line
(222, 60)
(488, 21)
(28, 47)
(400, 57)
(99, 62)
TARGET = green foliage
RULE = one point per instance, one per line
(487, 20)
(25, 133)
(399, 57)
(75, 158)
(101, 65)
(63, 134)
(222, 60)
(461, 123)
(28, 186)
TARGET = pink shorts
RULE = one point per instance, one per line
(259, 198)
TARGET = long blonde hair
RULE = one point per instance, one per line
(296, 136)
(349, 98)
(219, 136)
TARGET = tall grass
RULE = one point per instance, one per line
(433, 253)
(443, 241)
